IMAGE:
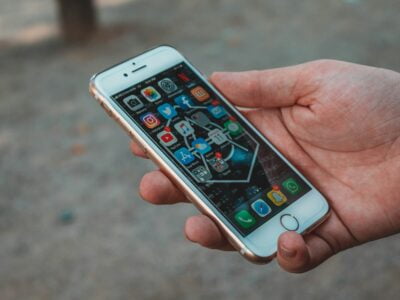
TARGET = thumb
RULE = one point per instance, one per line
(267, 88)
(298, 254)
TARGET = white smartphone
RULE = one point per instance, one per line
(216, 157)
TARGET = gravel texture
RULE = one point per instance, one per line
(72, 225)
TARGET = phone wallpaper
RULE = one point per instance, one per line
(232, 166)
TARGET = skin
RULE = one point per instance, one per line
(339, 124)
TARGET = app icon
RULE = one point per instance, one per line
(217, 111)
(184, 101)
(218, 164)
(217, 136)
(133, 102)
(202, 174)
(245, 219)
(184, 156)
(241, 158)
(150, 120)
(167, 138)
(151, 94)
(184, 128)
(200, 94)
(182, 76)
(277, 197)
(233, 127)
(200, 118)
(201, 146)
(291, 186)
(167, 85)
(261, 207)
(167, 111)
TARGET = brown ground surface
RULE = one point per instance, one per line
(72, 225)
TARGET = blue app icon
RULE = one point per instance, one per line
(184, 156)
(261, 208)
(217, 111)
(184, 101)
(241, 158)
(167, 111)
(201, 146)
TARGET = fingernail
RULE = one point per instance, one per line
(288, 253)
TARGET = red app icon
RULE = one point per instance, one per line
(150, 120)
(167, 138)
(182, 76)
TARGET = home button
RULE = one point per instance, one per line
(289, 222)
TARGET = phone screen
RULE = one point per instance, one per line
(228, 162)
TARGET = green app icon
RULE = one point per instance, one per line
(291, 186)
(233, 127)
(245, 219)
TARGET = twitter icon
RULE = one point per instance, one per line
(167, 111)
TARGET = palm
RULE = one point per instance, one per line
(343, 135)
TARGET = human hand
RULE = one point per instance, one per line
(339, 124)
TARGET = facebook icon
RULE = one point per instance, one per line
(184, 101)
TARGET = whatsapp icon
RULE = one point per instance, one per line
(291, 186)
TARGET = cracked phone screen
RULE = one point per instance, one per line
(224, 157)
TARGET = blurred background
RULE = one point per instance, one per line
(72, 225)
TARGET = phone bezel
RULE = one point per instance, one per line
(261, 244)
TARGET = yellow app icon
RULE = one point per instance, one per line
(277, 197)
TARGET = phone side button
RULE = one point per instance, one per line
(108, 111)
(289, 222)
(142, 147)
(120, 122)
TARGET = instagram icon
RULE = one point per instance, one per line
(150, 120)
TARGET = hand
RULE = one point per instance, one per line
(339, 124)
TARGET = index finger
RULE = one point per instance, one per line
(137, 149)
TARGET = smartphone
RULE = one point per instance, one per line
(211, 152)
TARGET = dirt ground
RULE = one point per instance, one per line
(72, 225)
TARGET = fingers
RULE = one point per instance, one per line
(202, 230)
(299, 254)
(156, 188)
(137, 149)
(268, 88)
